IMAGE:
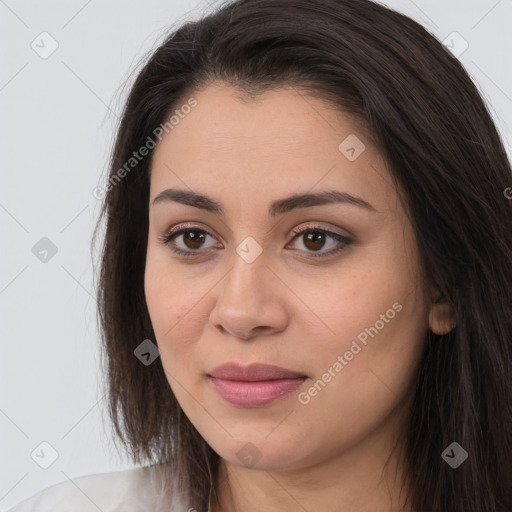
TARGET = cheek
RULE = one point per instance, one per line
(167, 309)
(374, 295)
(367, 368)
(375, 316)
(178, 311)
(166, 304)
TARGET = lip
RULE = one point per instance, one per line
(255, 385)
(253, 372)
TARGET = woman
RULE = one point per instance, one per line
(304, 283)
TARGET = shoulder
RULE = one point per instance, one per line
(137, 490)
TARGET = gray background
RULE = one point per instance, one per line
(57, 116)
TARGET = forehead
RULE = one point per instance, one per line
(279, 142)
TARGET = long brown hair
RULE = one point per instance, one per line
(448, 161)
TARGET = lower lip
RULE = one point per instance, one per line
(254, 394)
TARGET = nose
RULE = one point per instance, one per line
(250, 301)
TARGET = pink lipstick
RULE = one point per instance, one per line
(255, 385)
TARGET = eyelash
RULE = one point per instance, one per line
(174, 233)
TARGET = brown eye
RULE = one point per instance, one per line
(187, 241)
(314, 239)
(195, 241)
(191, 241)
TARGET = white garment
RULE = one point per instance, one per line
(132, 490)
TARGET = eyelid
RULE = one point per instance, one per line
(178, 230)
(320, 226)
(185, 225)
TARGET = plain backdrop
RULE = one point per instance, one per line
(57, 117)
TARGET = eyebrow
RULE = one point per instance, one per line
(277, 207)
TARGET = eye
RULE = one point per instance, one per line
(189, 240)
(192, 239)
(314, 238)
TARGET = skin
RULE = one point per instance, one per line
(287, 307)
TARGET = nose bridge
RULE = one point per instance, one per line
(251, 257)
(247, 300)
(248, 272)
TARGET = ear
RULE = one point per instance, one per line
(442, 315)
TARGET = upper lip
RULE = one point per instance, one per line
(253, 372)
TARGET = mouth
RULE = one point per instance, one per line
(255, 385)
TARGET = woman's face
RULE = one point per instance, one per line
(342, 305)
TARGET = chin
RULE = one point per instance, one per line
(258, 452)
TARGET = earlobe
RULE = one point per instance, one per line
(442, 316)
